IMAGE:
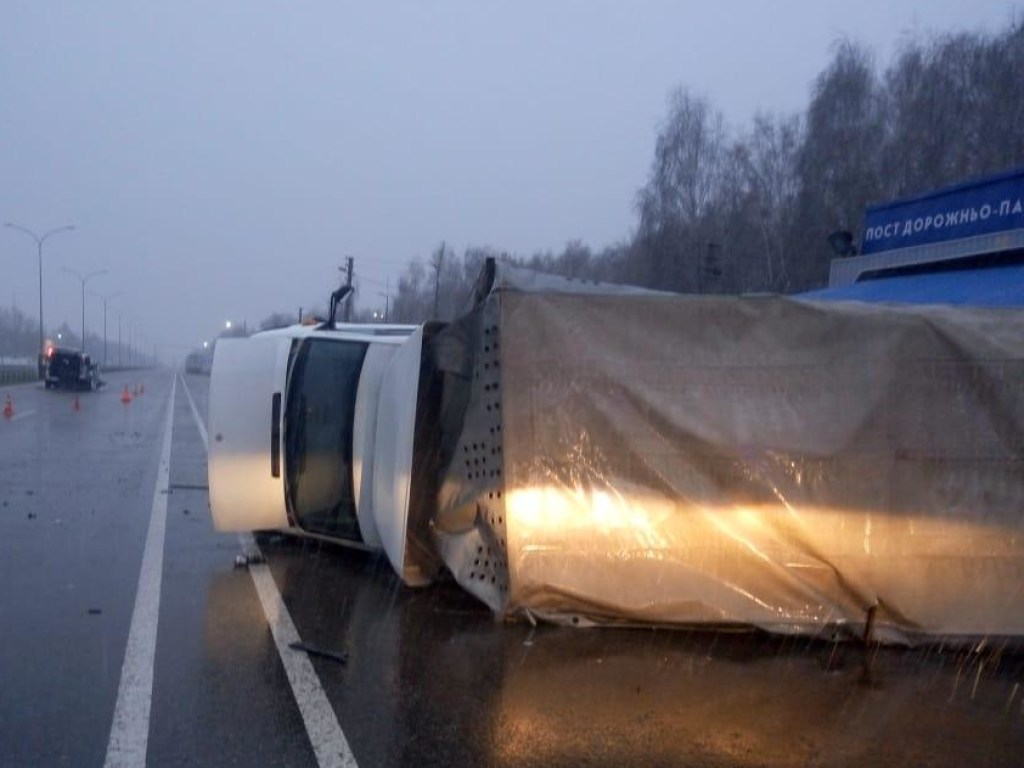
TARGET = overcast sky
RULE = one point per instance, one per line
(220, 159)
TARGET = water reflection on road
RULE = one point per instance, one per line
(432, 678)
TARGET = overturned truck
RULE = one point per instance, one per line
(585, 453)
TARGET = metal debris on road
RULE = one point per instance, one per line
(248, 558)
(341, 658)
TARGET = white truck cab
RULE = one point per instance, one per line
(311, 433)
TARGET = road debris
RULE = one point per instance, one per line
(249, 558)
(341, 658)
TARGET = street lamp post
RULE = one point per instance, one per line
(39, 253)
(107, 298)
(84, 279)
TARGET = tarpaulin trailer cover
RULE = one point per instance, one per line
(598, 456)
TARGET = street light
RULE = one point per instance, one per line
(84, 279)
(107, 298)
(39, 252)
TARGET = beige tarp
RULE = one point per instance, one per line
(763, 461)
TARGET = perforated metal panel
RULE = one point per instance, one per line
(477, 555)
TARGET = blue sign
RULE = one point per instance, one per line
(981, 207)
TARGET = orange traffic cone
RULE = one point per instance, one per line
(75, 405)
(8, 408)
(126, 396)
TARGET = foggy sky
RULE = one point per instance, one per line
(221, 159)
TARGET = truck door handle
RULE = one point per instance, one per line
(275, 435)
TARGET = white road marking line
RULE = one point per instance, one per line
(195, 414)
(328, 740)
(325, 734)
(129, 733)
(22, 415)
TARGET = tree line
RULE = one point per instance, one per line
(748, 210)
(19, 341)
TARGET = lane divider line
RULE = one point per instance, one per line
(22, 415)
(195, 415)
(129, 733)
(330, 746)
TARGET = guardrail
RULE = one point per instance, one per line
(20, 374)
(16, 375)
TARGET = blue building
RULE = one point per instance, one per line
(959, 245)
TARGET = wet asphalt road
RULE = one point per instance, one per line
(431, 679)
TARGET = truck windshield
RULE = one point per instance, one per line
(318, 436)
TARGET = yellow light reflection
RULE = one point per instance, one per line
(631, 553)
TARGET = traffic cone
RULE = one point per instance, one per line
(75, 405)
(126, 396)
(8, 408)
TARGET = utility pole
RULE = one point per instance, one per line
(438, 263)
(348, 282)
(387, 298)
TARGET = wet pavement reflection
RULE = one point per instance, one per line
(432, 678)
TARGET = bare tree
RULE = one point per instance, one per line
(19, 335)
(676, 204)
(955, 107)
(768, 159)
(409, 303)
(838, 163)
